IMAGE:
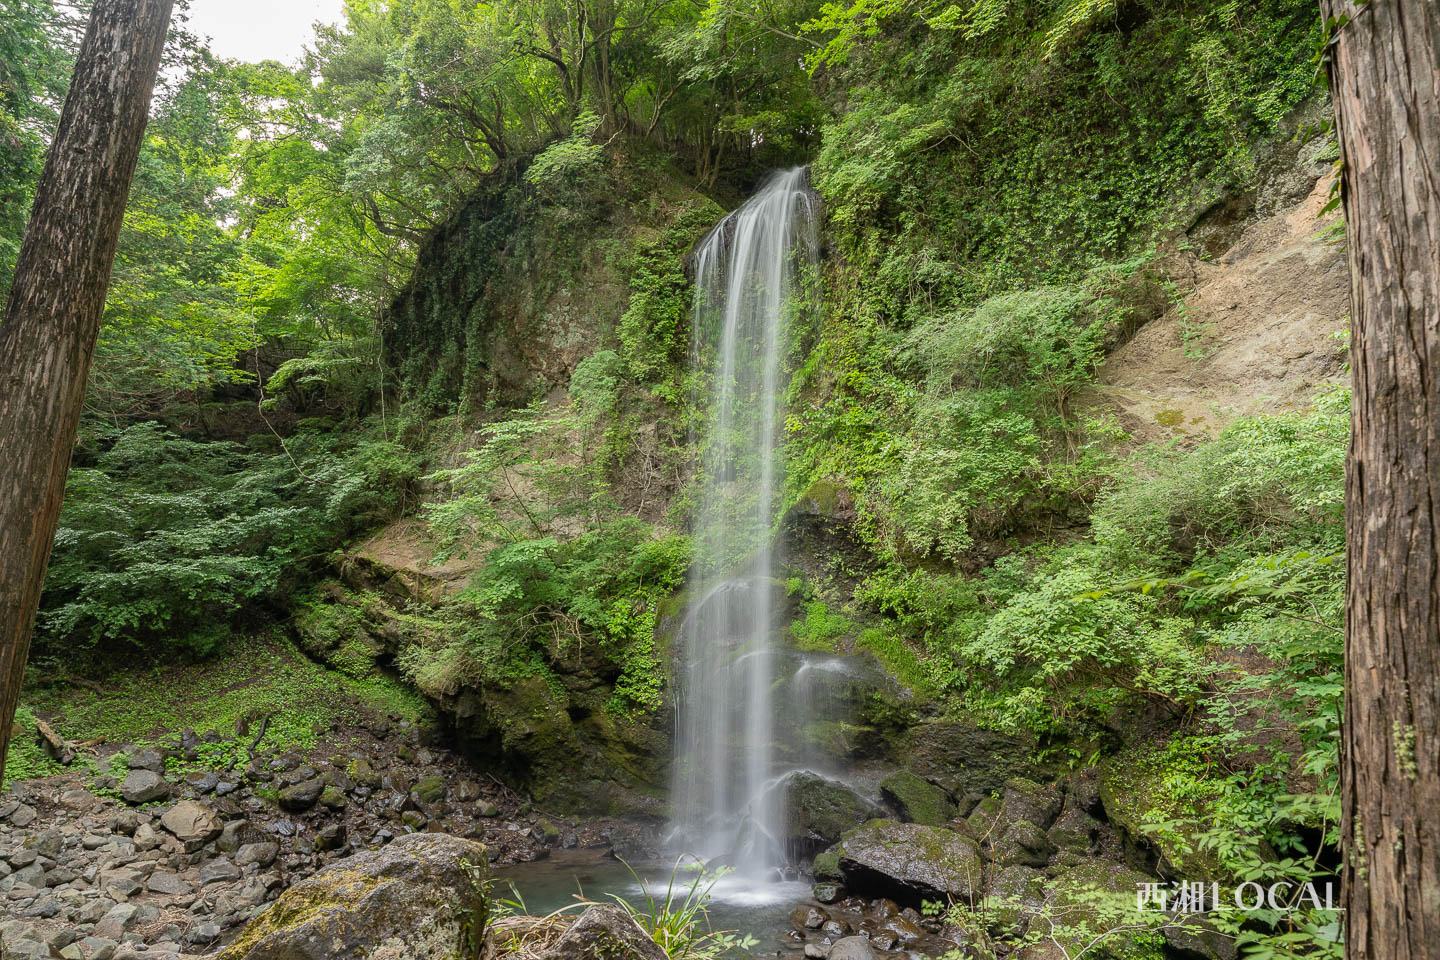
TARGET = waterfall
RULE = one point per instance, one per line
(746, 283)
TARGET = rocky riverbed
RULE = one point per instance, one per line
(170, 856)
(157, 862)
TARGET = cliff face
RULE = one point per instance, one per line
(517, 288)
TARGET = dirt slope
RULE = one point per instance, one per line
(1254, 332)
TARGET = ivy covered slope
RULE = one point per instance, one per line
(542, 345)
(1038, 220)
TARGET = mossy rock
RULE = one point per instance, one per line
(362, 773)
(431, 789)
(333, 798)
(826, 867)
(411, 900)
(917, 800)
(1135, 795)
(818, 811)
(910, 863)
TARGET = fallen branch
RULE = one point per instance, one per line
(54, 745)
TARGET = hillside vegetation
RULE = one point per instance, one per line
(398, 366)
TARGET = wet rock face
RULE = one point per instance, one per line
(407, 901)
(911, 863)
(965, 759)
(605, 931)
(917, 800)
(819, 811)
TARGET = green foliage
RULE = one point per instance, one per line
(25, 759)
(36, 49)
(989, 145)
(568, 167)
(1262, 474)
(678, 919)
(820, 628)
(562, 567)
(165, 539)
(249, 678)
(654, 331)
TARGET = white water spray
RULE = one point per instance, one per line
(745, 284)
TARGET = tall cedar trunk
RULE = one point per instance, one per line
(1385, 78)
(47, 337)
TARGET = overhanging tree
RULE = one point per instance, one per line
(52, 317)
(1385, 79)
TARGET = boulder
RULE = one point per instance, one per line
(1022, 843)
(262, 854)
(144, 786)
(414, 899)
(191, 822)
(431, 789)
(147, 758)
(966, 758)
(301, 796)
(917, 800)
(852, 948)
(605, 930)
(1074, 832)
(910, 863)
(168, 884)
(818, 811)
(1027, 800)
(239, 833)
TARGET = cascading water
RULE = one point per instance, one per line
(746, 282)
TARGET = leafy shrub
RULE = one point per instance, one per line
(1270, 473)
(169, 539)
(1057, 658)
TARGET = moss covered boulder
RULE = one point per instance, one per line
(818, 810)
(1136, 797)
(411, 900)
(910, 863)
(917, 800)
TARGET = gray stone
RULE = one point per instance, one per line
(191, 821)
(301, 796)
(203, 933)
(49, 843)
(605, 930)
(144, 786)
(119, 919)
(261, 854)
(98, 948)
(147, 758)
(238, 833)
(23, 815)
(218, 871)
(146, 837)
(410, 900)
(1022, 843)
(168, 884)
(331, 837)
(852, 948)
(124, 822)
(818, 810)
(910, 863)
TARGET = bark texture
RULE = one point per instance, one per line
(47, 337)
(1385, 80)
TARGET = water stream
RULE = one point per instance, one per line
(746, 284)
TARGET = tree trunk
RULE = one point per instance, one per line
(1385, 80)
(52, 319)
